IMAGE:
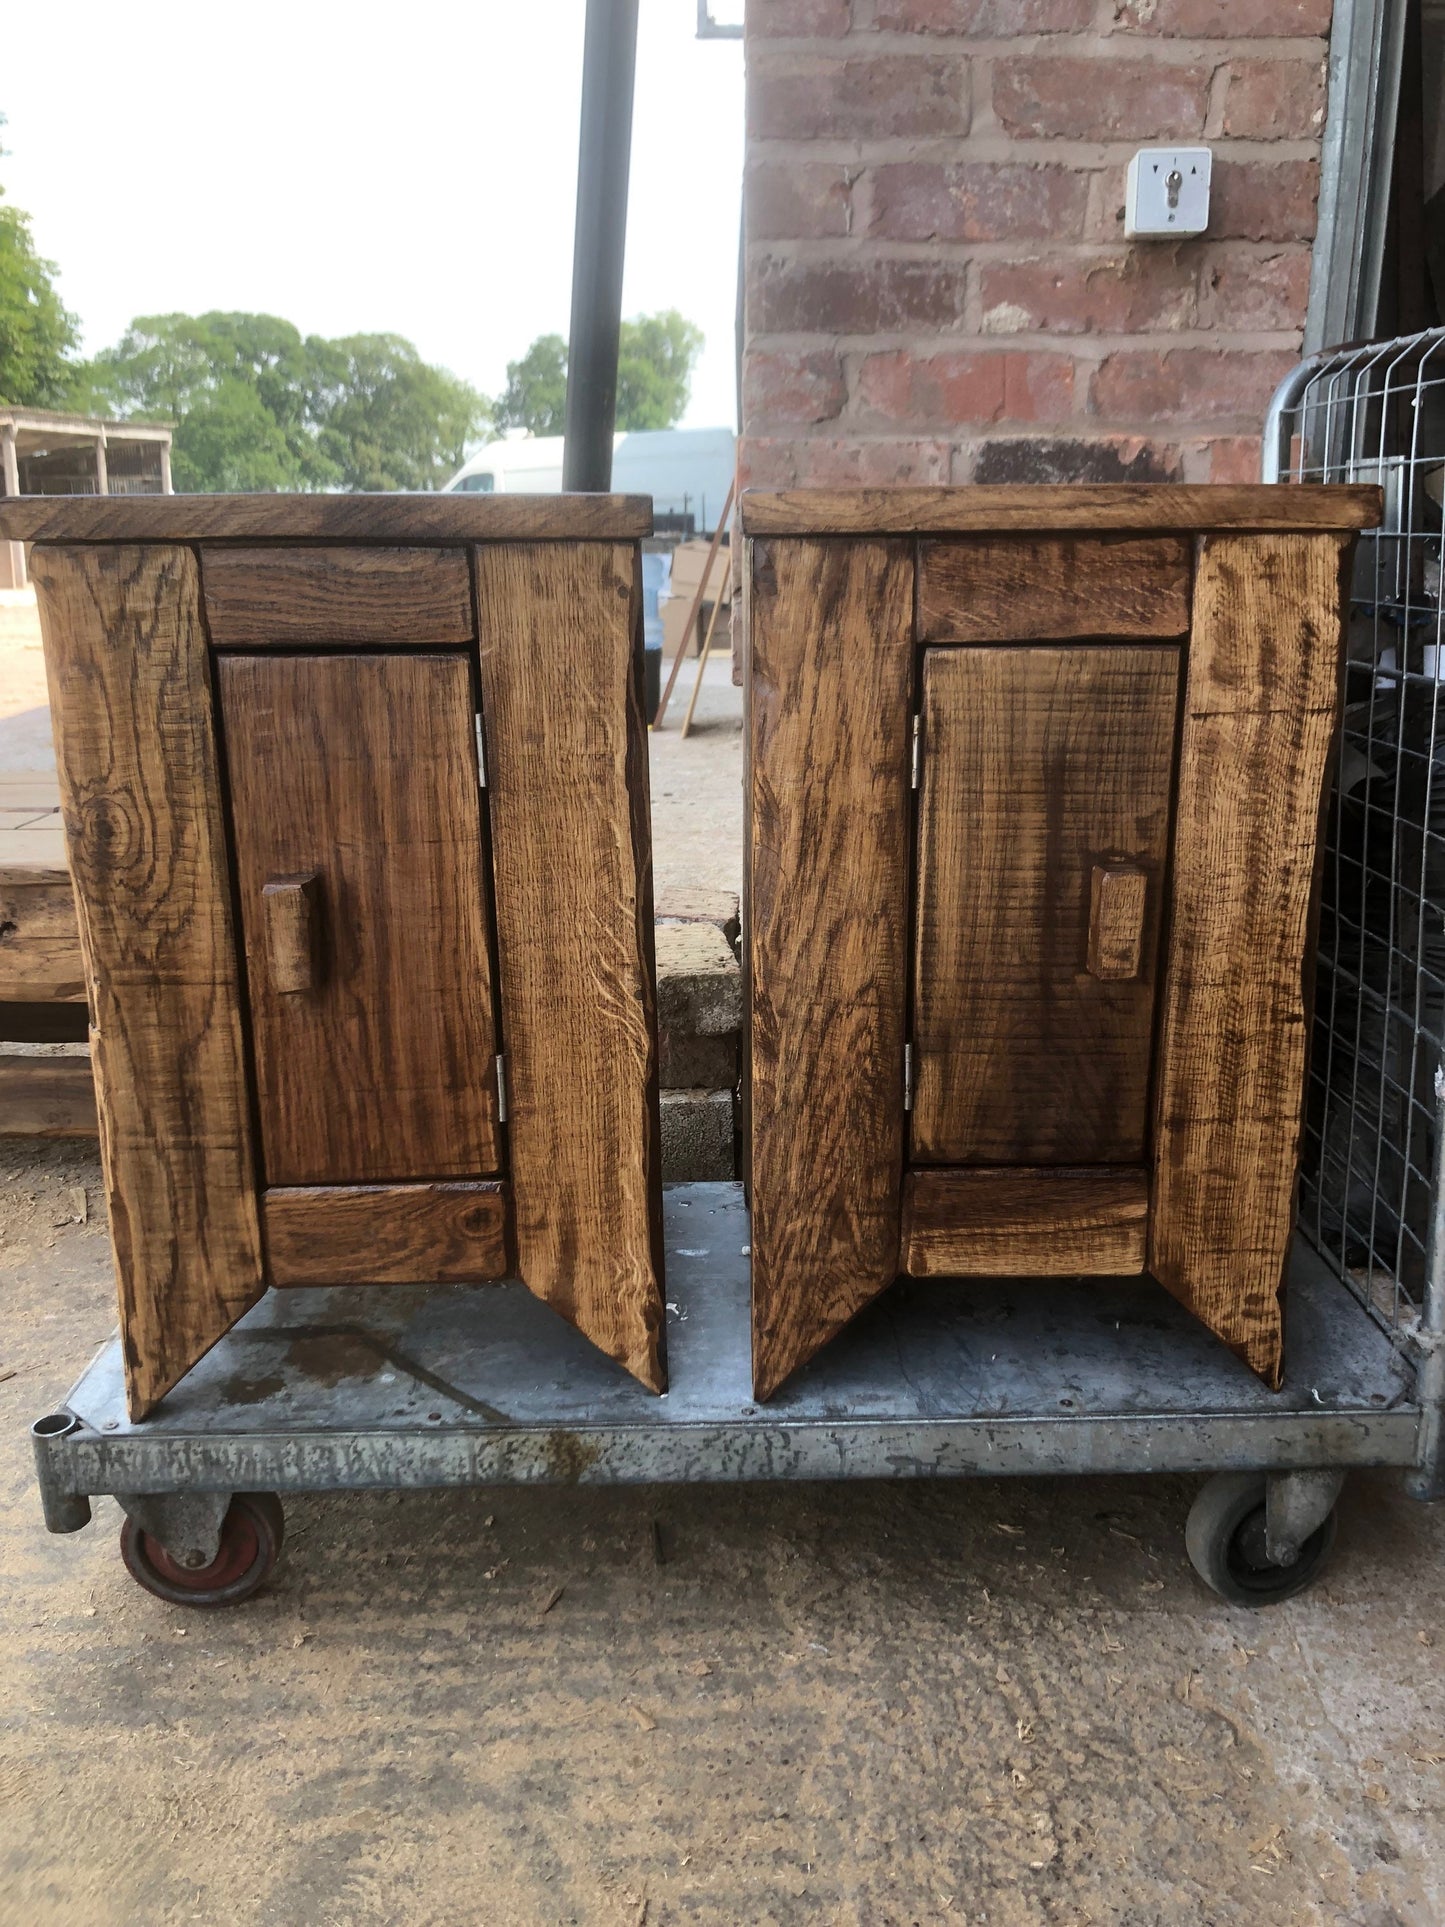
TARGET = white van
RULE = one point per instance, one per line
(686, 471)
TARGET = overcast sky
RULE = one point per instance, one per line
(360, 169)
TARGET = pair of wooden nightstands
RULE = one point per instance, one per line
(356, 800)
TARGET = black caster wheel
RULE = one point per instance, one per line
(1225, 1541)
(251, 1536)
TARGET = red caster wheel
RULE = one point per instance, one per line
(251, 1536)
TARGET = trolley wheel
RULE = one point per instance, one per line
(251, 1536)
(1224, 1537)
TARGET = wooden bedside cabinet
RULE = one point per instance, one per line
(1035, 778)
(355, 792)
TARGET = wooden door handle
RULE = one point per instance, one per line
(292, 908)
(1118, 898)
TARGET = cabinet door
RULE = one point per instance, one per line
(360, 872)
(1043, 831)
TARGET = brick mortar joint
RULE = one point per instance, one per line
(994, 145)
(823, 249)
(1176, 50)
(1082, 347)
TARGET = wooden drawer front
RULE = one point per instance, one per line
(265, 598)
(1041, 768)
(386, 1234)
(354, 795)
(1048, 1222)
(1017, 588)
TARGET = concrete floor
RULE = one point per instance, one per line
(868, 1705)
(697, 786)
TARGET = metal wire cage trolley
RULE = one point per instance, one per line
(1372, 1197)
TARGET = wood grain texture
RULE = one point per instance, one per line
(324, 518)
(386, 1234)
(829, 735)
(47, 1097)
(40, 960)
(1260, 712)
(1038, 764)
(291, 913)
(135, 734)
(272, 597)
(1118, 918)
(1019, 588)
(1049, 1222)
(572, 862)
(363, 769)
(1047, 508)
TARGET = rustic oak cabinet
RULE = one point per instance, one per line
(355, 791)
(1035, 777)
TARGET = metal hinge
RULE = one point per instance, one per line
(482, 767)
(908, 1077)
(917, 749)
(501, 1089)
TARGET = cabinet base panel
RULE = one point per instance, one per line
(1043, 1221)
(387, 1234)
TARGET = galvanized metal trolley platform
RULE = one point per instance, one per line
(328, 1390)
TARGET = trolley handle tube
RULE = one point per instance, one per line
(1274, 451)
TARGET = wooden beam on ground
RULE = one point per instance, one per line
(40, 959)
(47, 1097)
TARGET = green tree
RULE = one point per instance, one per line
(656, 354)
(535, 397)
(388, 419)
(258, 406)
(238, 389)
(37, 331)
(655, 359)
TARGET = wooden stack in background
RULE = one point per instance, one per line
(1035, 780)
(355, 793)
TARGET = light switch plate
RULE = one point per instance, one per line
(1167, 193)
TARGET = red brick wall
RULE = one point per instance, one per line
(938, 285)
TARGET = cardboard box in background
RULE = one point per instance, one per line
(689, 559)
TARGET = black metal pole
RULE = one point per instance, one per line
(609, 65)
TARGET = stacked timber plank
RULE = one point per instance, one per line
(42, 978)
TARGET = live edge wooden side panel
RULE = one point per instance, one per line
(1260, 709)
(566, 749)
(135, 734)
(829, 696)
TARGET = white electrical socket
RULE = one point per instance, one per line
(1167, 193)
